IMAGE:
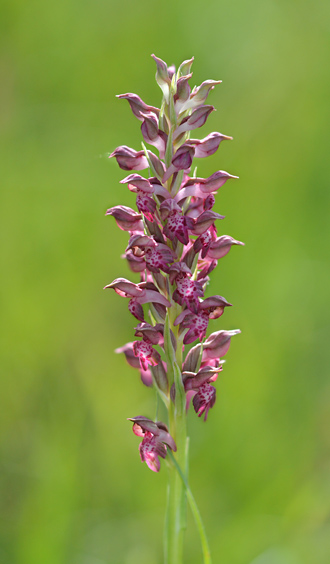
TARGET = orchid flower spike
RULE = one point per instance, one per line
(173, 247)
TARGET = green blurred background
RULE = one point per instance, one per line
(73, 488)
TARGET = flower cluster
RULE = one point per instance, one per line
(173, 245)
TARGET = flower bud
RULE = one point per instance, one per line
(182, 160)
(221, 246)
(162, 77)
(160, 377)
(215, 181)
(149, 127)
(217, 344)
(156, 165)
(183, 91)
(137, 105)
(214, 306)
(204, 221)
(200, 94)
(206, 374)
(195, 120)
(141, 241)
(125, 288)
(185, 67)
(152, 135)
(192, 359)
(126, 218)
(148, 331)
(129, 159)
(138, 182)
(209, 145)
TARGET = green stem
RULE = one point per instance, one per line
(157, 405)
(195, 511)
(176, 493)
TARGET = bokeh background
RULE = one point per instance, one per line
(73, 488)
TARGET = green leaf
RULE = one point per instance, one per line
(177, 183)
(155, 164)
(193, 359)
(180, 395)
(173, 116)
(185, 67)
(169, 149)
(169, 350)
(160, 382)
